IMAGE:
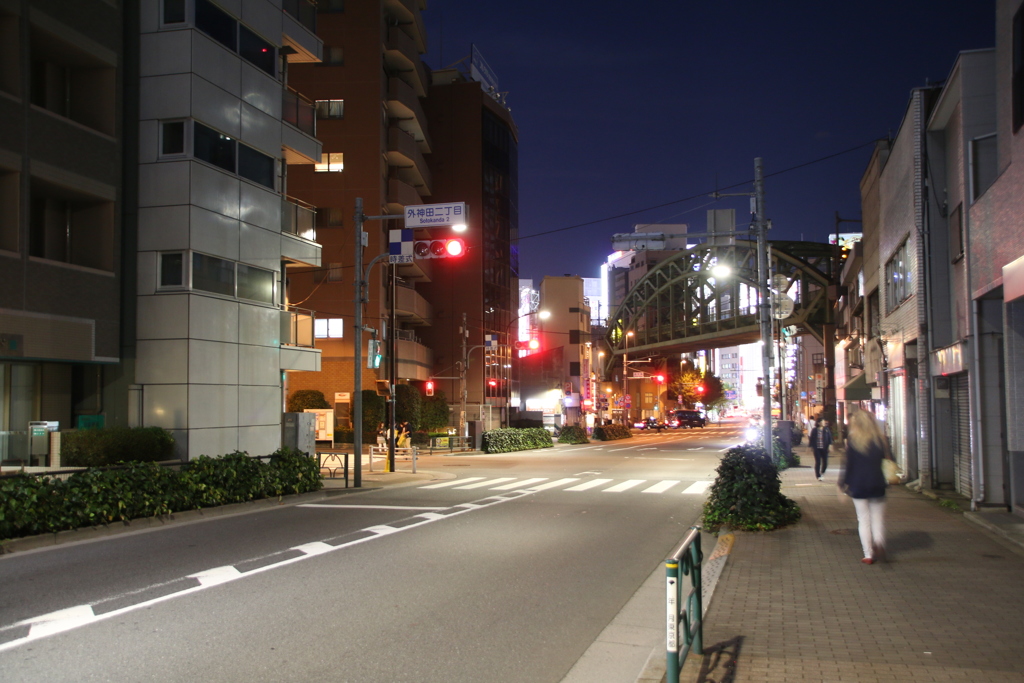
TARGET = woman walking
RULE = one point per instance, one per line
(864, 481)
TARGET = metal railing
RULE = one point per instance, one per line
(684, 611)
(298, 218)
(304, 11)
(297, 326)
(332, 462)
(298, 111)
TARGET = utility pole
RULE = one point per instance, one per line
(464, 333)
(765, 308)
(357, 393)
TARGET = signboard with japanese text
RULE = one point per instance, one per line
(435, 215)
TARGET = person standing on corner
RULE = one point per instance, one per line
(821, 439)
(863, 480)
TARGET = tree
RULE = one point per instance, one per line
(714, 391)
(306, 398)
(408, 401)
(373, 411)
(685, 387)
(435, 412)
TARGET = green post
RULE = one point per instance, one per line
(672, 602)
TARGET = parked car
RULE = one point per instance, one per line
(690, 418)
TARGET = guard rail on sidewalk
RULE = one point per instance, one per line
(332, 461)
(382, 452)
(684, 561)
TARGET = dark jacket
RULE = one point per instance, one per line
(814, 437)
(863, 476)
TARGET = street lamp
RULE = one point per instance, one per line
(625, 377)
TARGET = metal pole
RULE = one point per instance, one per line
(463, 427)
(357, 392)
(392, 367)
(765, 306)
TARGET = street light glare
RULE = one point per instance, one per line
(459, 227)
(721, 271)
(543, 315)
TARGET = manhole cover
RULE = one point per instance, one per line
(843, 532)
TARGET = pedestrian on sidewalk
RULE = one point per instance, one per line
(863, 480)
(821, 439)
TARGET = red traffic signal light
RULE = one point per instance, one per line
(429, 386)
(492, 382)
(659, 379)
(449, 247)
(700, 388)
(534, 344)
(530, 345)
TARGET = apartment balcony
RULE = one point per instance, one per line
(401, 195)
(407, 13)
(404, 154)
(415, 360)
(402, 56)
(411, 307)
(420, 270)
(298, 138)
(299, 32)
(297, 352)
(298, 233)
(405, 111)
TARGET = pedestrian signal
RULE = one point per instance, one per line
(430, 387)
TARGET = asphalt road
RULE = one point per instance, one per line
(500, 568)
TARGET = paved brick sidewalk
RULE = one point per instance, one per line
(798, 605)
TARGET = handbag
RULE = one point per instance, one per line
(891, 471)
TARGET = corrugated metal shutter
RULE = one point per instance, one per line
(958, 392)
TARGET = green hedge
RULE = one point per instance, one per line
(612, 432)
(747, 493)
(508, 440)
(102, 447)
(573, 434)
(35, 505)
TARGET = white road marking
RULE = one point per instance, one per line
(624, 486)
(314, 548)
(661, 486)
(589, 484)
(698, 487)
(453, 482)
(553, 484)
(341, 506)
(580, 474)
(481, 484)
(216, 576)
(61, 620)
(519, 484)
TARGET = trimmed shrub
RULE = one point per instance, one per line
(102, 447)
(508, 440)
(747, 494)
(434, 412)
(573, 434)
(307, 398)
(35, 505)
(612, 432)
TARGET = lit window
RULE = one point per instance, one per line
(330, 162)
(330, 109)
(328, 328)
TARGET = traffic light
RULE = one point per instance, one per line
(659, 379)
(429, 386)
(700, 389)
(373, 354)
(492, 383)
(529, 345)
(448, 247)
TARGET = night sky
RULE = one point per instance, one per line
(622, 107)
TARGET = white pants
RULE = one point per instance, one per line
(870, 523)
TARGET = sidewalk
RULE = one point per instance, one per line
(798, 605)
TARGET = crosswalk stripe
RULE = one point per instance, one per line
(589, 484)
(453, 482)
(553, 484)
(481, 484)
(698, 487)
(519, 484)
(624, 486)
(661, 486)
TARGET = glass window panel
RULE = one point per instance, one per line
(172, 269)
(330, 109)
(172, 137)
(216, 23)
(174, 11)
(257, 50)
(256, 284)
(328, 328)
(256, 166)
(212, 274)
(214, 147)
(333, 162)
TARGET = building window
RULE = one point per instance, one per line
(327, 6)
(328, 328)
(214, 147)
(334, 272)
(216, 23)
(256, 284)
(67, 226)
(256, 166)
(648, 398)
(330, 109)
(333, 162)
(334, 56)
(956, 233)
(172, 138)
(899, 278)
(172, 269)
(212, 274)
(174, 12)
(70, 82)
(10, 206)
(257, 51)
(983, 165)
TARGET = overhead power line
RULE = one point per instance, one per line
(697, 196)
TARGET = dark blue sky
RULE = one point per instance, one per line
(623, 106)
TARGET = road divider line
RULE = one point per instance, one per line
(342, 506)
